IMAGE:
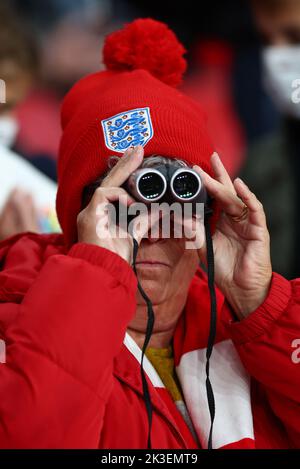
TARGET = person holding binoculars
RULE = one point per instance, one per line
(135, 341)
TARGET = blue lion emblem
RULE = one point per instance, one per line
(128, 129)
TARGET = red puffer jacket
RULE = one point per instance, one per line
(69, 381)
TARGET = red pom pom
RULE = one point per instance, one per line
(149, 45)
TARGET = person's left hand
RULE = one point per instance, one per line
(241, 242)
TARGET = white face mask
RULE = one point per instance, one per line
(282, 77)
(8, 131)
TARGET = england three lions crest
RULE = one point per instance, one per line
(128, 129)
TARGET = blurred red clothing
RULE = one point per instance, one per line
(210, 85)
(39, 119)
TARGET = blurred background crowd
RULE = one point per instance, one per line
(243, 58)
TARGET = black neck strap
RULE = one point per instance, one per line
(149, 329)
(213, 321)
(211, 336)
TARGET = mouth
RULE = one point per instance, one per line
(152, 264)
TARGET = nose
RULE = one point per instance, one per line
(156, 232)
(160, 232)
(153, 239)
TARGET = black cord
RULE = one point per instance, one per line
(211, 337)
(213, 322)
(149, 329)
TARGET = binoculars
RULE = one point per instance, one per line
(166, 183)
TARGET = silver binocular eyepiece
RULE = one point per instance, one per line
(147, 185)
(166, 183)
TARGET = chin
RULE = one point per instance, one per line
(155, 289)
(154, 281)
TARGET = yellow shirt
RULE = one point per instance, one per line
(163, 361)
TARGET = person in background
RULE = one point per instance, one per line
(272, 165)
(18, 65)
(18, 71)
(69, 33)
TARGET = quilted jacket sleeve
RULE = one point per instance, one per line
(268, 342)
(60, 350)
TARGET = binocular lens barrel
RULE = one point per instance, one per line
(185, 184)
(150, 185)
(147, 185)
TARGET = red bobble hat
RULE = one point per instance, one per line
(133, 102)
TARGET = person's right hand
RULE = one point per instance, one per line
(96, 213)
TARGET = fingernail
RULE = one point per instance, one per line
(20, 194)
(215, 156)
(138, 150)
(128, 152)
(197, 168)
(241, 181)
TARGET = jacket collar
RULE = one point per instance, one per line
(127, 370)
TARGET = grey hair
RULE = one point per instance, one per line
(150, 161)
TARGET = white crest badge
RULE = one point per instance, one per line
(128, 129)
